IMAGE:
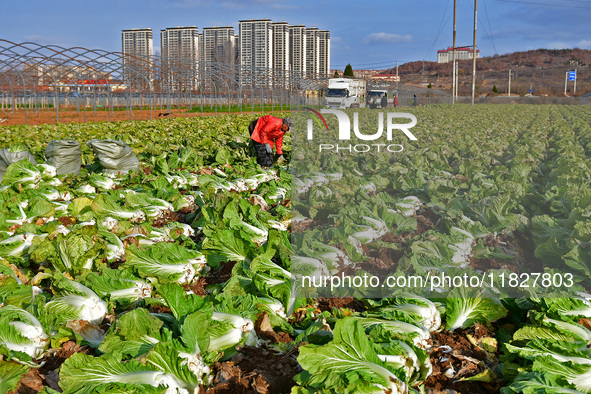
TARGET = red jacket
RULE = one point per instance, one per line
(268, 130)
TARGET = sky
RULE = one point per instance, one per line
(371, 34)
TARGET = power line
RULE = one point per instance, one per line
(579, 1)
(546, 4)
(490, 27)
(441, 24)
(571, 1)
(390, 62)
(488, 34)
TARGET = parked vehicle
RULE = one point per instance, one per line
(345, 93)
(378, 99)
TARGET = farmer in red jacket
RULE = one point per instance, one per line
(265, 131)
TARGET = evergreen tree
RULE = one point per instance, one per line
(348, 71)
(495, 90)
(430, 86)
(336, 73)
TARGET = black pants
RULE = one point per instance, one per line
(264, 159)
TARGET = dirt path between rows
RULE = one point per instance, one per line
(71, 116)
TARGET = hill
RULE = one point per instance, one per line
(542, 70)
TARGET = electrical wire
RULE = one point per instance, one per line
(390, 62)
(488, 34)
(441, 24)
(548, 5)
(490, 27)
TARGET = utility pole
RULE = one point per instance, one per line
(509, 90)
(453, 58)
(474, 52)
(457, 80)
(575, 88)
(397, 78)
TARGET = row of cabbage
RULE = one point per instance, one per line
(506, 174)
(78, 252)
(63, 240)
(519, 176)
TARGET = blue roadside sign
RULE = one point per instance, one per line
(572, 75)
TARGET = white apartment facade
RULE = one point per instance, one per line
(181, 54)
(256, 45)
(137, 46)
(137, 42)
(280, 46)
(312, 50)
(180, 43)
(324, 52)
(218, 45)
(462, 53)
(297, 48)
(317, 51)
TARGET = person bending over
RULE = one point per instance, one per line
(266, 131)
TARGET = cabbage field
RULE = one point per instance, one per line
(185, 276)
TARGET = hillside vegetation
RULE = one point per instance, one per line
(542, 69)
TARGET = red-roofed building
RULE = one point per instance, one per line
(462, 53)
(371, 74)
(386, 77)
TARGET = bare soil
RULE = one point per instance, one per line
(454, 350)
(178, 216)
(266, 332)
(66, 220)
(221, 275)
(516, 242)
(326, 304)
(47, 376)
(215, 277)
(384, 260)
(70, 115)
(255, 370)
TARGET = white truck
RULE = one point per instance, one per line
(345, 93)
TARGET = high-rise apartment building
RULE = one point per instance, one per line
(324, 52)
(137, 42)
(280, 46)
(256, 45)
(312, 50)
(180, 43)
(297, 48)
(218, 45)
(219, 52)
(317, 51)
(137, 46)
(266, 45)
(180, 54)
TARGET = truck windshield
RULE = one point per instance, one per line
(336, 92)
(376, 94)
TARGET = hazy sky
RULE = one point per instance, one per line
(367, 34)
